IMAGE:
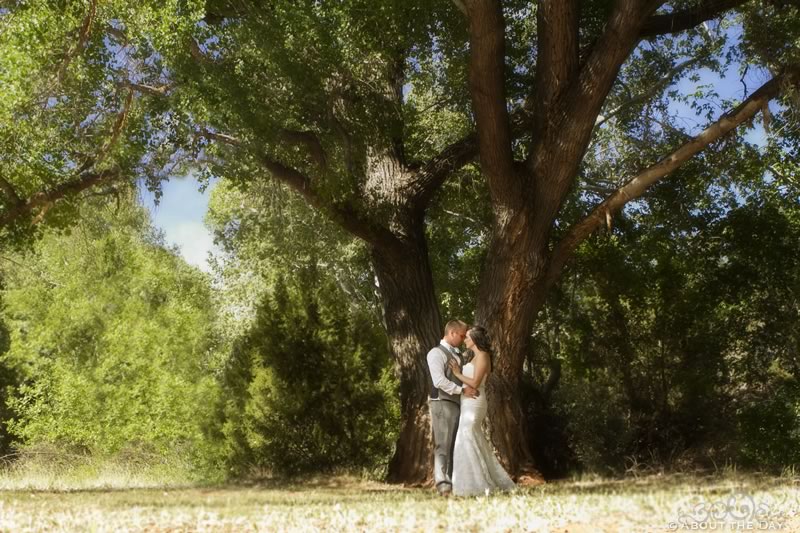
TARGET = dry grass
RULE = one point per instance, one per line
(654, 503)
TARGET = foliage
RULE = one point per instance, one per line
(458, 232)
(8, 378)
(308, 386)
(112, 336)
(307, 382)
(678, 343)
(266, 232)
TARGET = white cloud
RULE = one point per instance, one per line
(194, 241)
(180, 214)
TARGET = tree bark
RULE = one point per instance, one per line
(507, 306)
(414, 325)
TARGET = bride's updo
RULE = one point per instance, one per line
(482, 341)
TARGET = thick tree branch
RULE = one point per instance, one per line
(603, 63)
(683, 20)
(83, 37)
(634, 188)
(461, 7)
(557, 53)
(429, 176)
(117, 33)
(311, 142)
(343, 213)
(43, 200)
(432, 174)
(81, 183)
(161, 90)
(487, 88)
(85, 179)
(198, 55)
(116, 131)
(218, 11)
(221, 138)
(562, 144)
(9, 191)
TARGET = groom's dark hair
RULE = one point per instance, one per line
(454, 324)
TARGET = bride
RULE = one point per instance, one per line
(476, 471)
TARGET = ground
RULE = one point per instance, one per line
(722, 502)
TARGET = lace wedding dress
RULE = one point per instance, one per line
(476, 470)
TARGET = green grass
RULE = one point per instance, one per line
(350, 504)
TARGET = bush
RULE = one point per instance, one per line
(309, 386)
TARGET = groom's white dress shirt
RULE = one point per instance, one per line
(437, 362)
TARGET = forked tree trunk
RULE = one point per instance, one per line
(413, 324)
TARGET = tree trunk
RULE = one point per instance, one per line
(413, 324)
(509, 298)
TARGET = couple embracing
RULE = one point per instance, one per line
(464, 462)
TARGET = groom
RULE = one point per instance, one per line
(445, 400)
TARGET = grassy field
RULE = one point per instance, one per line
(728, 502)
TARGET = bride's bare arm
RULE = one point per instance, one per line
(481, 364)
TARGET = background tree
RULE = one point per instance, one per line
(308, 384)
(112, 340)
(308, 387)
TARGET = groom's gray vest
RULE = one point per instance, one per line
(448, 373)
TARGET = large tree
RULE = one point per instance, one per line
(577, 66)
(366, 108)
(353, 111)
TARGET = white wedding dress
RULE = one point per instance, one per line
(476, 470)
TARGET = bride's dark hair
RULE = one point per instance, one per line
(481, 338)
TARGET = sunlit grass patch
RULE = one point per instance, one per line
(344, 503)
(47, 468)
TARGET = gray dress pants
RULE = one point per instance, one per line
(444, 419)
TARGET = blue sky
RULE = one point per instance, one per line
(729, 87)
(179, 214)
